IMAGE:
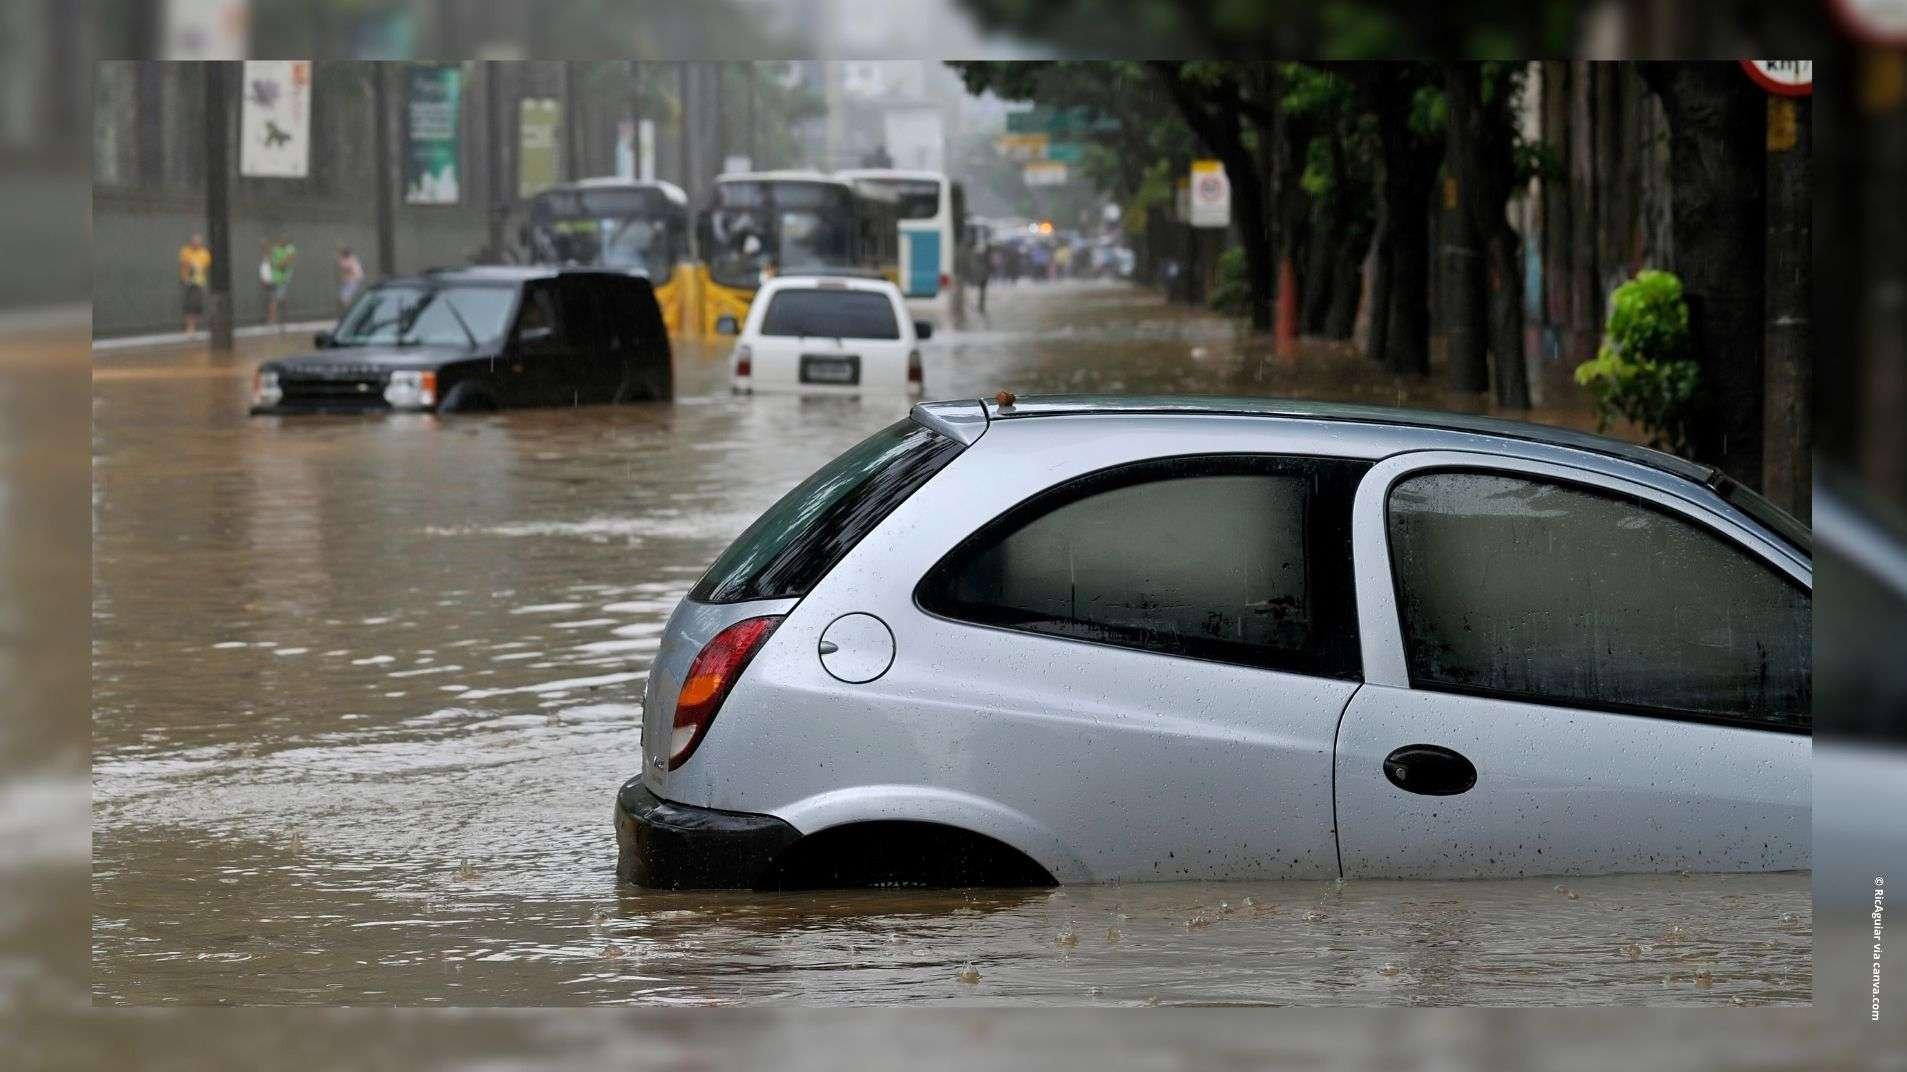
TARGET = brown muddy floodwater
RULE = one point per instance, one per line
(363, 690)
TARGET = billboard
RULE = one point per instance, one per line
(274, 119)
(432, 97)
(536, 125)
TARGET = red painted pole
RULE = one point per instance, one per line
(1285, 326)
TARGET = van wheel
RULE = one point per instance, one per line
(467, 397)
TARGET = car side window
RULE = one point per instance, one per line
(1550, 592)
(538, 324)
(1236, 558)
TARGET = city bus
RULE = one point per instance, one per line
(638, 227)
(930, 212)
(766, 222)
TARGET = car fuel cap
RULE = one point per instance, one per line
(856, 648)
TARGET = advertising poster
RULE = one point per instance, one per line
(275, 119)
(537, 122)
(432, 96)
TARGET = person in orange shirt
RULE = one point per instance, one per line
(195, 261)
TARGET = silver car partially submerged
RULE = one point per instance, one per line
(1082, 639)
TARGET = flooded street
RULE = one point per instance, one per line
(363, 689)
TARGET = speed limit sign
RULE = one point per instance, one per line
(1787, 78)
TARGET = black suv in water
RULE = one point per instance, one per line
(483, 338)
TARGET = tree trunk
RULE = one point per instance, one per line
(1403, 234)
(1788, 461)
(1214, 118)
(1377, 341)
(1483, 146)
(1465, 285)
(1717, 122)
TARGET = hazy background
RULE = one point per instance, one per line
(47, 52)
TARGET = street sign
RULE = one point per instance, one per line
(1060, 122)
(275, 119)
(1021, 146)
(1044, 173)
(1787, 78)
(1211, 195)
(1066, 152)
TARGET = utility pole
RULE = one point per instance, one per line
(572, 157)
(1788, 416)
(493, 147)
(688, 141)
(218, 206)
(385, 210)
(749, 89)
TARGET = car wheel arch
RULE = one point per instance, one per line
(965, 812)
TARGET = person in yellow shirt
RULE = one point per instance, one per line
(195, 260)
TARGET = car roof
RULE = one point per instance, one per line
(1181, 405)
(614, 182)
(820, 279)
(497, 274)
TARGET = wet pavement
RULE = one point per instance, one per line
(363, 689)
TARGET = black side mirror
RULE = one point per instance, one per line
(321, 340)
(725, 325)
(923, 330)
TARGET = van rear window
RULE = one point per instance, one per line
(787, 551)
(831, 312)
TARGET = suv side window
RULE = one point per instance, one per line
(538, 325)
(1554, 593)
(1235, 558)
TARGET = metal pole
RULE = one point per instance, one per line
(572, 159)
(493, 148)
(218, 207)
(682, 113)
(381, 165)
(748, 85)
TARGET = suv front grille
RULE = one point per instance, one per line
(358, 385)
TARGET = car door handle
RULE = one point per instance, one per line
(1429, 769)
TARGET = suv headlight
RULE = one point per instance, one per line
(265, 389)
(411, 389)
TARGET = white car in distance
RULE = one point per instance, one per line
(826, 334)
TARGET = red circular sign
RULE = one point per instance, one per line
(1788, 78)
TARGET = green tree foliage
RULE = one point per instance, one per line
(1643, 369)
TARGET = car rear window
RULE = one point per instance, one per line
(841, 314)
(792, 546)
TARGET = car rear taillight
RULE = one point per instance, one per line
(710, 677)
(744, 362)
(945, 280)
(913, 366)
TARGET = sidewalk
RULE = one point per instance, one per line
(181, 338)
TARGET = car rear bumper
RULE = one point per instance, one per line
(664, 845)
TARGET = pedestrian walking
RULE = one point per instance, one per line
(979, 270)
(350, 276)
(275, 274)
(195, 263)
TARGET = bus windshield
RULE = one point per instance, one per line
(758, 228)
(637, 230)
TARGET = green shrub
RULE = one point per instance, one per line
(1643, 369)
(1231, 283)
